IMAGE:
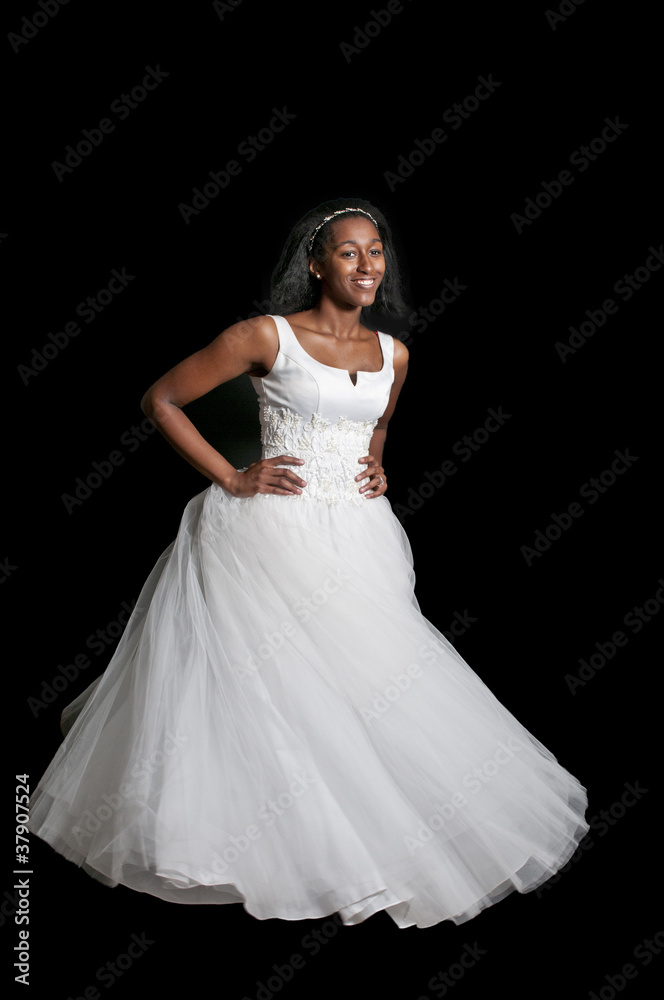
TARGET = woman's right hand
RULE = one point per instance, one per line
(264, 477)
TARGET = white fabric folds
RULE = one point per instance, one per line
(281, 727)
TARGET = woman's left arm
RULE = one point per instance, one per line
(374, 460)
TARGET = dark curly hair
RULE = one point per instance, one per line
(293, 288)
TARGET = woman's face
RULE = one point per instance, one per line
(354, 262)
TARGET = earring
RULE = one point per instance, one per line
(317, 274)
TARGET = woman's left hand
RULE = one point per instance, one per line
(377, 483)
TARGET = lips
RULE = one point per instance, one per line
(364, 282)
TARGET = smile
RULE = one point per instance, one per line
(364, 282)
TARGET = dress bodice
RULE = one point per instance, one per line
(314, 411)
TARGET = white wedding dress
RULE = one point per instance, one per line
(281, 727)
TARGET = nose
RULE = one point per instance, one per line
(366, 264)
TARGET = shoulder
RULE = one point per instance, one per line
(258, 330)
(253, 341)
(264, 328)
(400, 355)
(257, 326)
(401, 352)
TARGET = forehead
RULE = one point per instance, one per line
(353, 227)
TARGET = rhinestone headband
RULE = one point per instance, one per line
(340, 211)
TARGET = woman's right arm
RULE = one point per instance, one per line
(242, 347)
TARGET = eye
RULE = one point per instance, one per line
(347, 253)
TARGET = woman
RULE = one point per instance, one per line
(280, 726)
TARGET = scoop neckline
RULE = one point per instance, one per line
(334, 368)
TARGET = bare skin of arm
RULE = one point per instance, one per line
(377, 443)
(247, 347)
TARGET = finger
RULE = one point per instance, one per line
(286, 484)
(373, 470)
(376, 485)
(290, 480)
(290, 459)
(290, 476)
(373, 483)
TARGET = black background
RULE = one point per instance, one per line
(67, 572)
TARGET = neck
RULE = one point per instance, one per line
(342, 323)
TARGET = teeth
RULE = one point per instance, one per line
(364, 281)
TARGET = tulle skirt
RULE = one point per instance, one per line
(281, 727)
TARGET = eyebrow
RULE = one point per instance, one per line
(354, 242)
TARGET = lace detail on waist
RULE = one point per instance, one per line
(330, 451)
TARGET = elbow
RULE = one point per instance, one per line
(152, 404)
(147, 404)
(157, 407)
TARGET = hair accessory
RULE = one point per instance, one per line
(340, 211)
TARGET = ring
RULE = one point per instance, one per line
(381, 480)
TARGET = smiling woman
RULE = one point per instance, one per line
(350, 271)
(283, 611)
(294, 283)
